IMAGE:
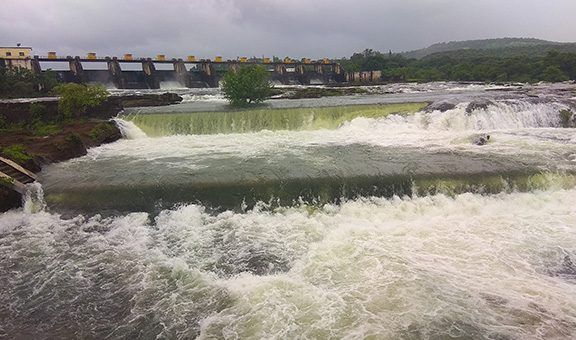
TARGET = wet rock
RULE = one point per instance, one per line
(478, 104)
(494, 299)
(568, 268)
(140, 100)
(481, 140)
(441, 106)
(567, 118)
(253, 261)
(9, 199)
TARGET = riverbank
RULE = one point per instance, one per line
(33, 135)
(33, 151)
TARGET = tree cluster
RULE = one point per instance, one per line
(21, 82)
(554, 66)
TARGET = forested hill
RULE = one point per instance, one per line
(504, 47)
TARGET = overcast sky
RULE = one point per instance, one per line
(295, 28)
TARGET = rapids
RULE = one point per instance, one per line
(310, 222)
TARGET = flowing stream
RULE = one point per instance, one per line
(306, 221)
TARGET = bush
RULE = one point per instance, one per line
(102, 132)
(247, 85)
(75, 99)
(20, 82)
(37, 110)
(17, 153)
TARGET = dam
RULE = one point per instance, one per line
(128, 72)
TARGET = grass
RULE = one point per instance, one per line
(45, 129)
(17, 153)
(6, 181)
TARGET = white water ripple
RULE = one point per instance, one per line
(431, 267)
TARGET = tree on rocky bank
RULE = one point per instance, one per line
(247, 85)
(75, 99)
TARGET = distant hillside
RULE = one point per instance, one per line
(536, 51)
(492, 47)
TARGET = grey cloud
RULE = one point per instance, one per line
(294, 28)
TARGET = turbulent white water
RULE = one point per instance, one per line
(151, 238)
(432, 267)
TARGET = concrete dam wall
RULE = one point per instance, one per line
(148, 73)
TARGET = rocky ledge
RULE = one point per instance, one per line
(21, 121)
(72, 140)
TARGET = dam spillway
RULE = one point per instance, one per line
(226, 160)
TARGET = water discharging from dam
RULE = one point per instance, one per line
(346, 222)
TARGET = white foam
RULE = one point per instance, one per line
(129, 130)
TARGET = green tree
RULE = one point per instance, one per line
(247, 85)
(553, 74)
(75, 99)
(20, 82)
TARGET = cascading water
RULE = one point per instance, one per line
(128, 129)
(367, 151)
(367, 225)
(262, 119)
(33, 199)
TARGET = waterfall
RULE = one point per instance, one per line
(128, 129)
(33, 200)
(199, 123)
(504, 114)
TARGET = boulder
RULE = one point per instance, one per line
(441, 106)
(478, 104)
(139, 100)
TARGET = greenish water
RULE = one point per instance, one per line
(306, 118)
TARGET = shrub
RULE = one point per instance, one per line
(37, 110)
(17, 153)
(101, 132)
(20, 82)
(75, 99)
(247, 85)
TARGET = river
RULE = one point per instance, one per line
(321, 218)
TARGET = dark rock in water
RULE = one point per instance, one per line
(568, 267)
(478, 104)
(163, 99)
(567, 118)
(9, 199)
(441, 106)
(565, 269)
(481, 140)
(494, 299)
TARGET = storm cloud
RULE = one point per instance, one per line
(295, 28)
